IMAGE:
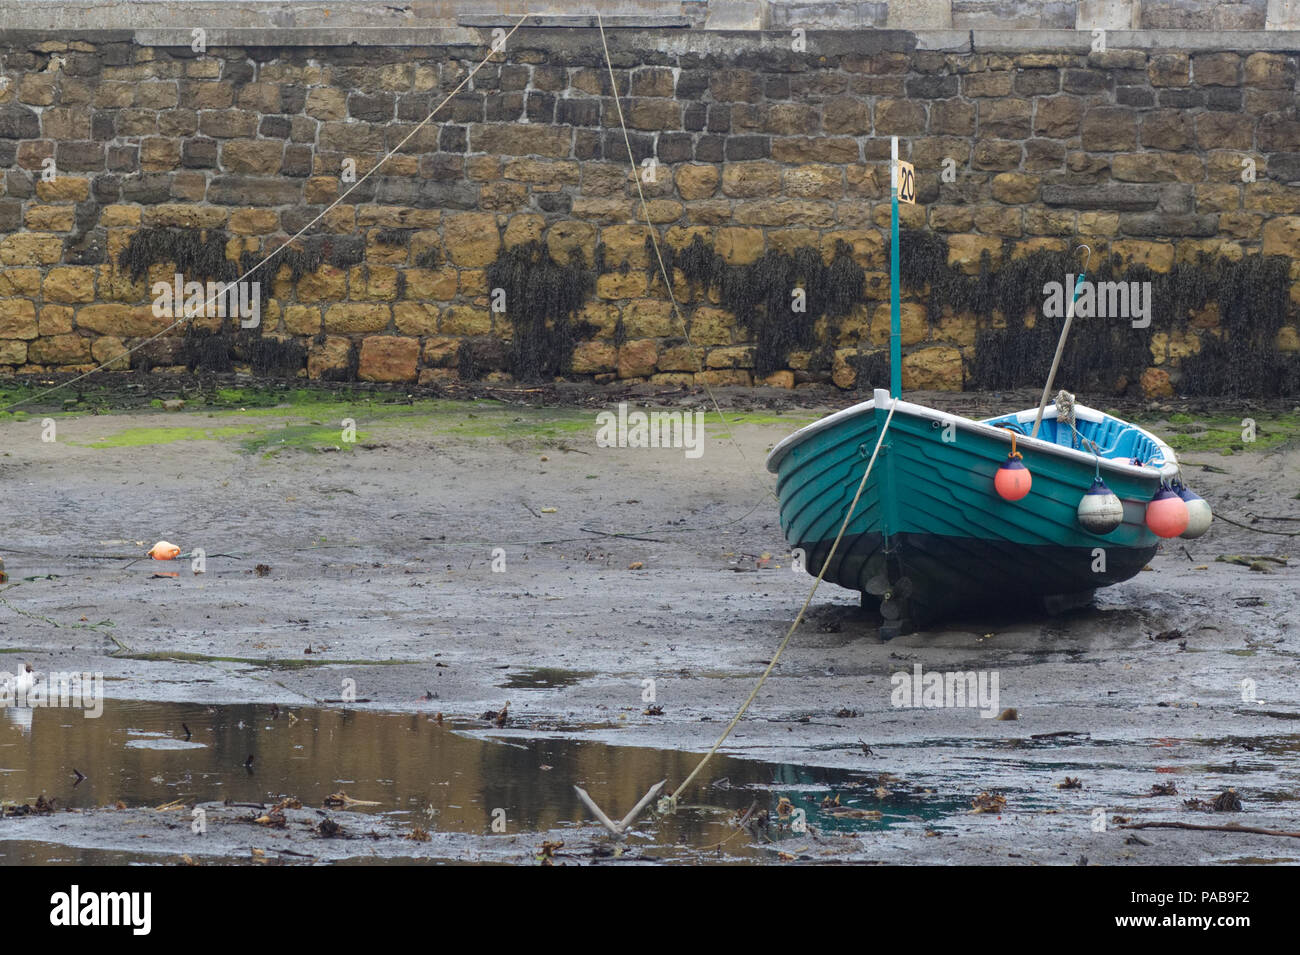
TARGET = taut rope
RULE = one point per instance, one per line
(797, 620)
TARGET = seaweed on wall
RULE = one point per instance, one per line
(478, 356)
(702, 267)
(267, 355)
(340, 251)
(542, 298)
(200, 255)
(1252, 294)
(430, 258)
(203, 350)
(762, 294)
(468, 367)
(872, 369)
(1014, 340)
(1098, 353)
(391, 237)
(218, 352)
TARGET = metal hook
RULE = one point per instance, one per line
(1086, 261)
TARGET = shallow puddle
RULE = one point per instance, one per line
(416, 771)
(544, 678)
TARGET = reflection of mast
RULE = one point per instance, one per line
(14, 698)
(20, 716)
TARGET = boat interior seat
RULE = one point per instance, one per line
(1115, 439)
(1119, 439)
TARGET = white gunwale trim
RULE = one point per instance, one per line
(882, 399)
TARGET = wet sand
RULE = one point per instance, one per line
(380, 561)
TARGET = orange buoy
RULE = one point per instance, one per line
(164, 551)
(1167, 513)
(1013, 479)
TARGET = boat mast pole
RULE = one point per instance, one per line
(1060, 345)
(895, 324)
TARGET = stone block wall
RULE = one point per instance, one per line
(1152, 156)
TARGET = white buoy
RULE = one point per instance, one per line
(1100, 511)
(1199, 514)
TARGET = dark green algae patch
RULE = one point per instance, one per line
(268, 422)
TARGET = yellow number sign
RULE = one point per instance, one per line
(906, 182)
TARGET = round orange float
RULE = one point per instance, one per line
(1167, 513)
(1013, 480)
(163, 550)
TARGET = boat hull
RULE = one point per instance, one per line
(930, 536)
(925, 578)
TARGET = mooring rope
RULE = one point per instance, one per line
(797, 620)
(663, 269)
(1257, 530)
(1065, 411)
(492, 51)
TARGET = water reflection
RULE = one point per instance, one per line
(419, 772)
(19, 717)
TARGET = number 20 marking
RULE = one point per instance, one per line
(906, 183)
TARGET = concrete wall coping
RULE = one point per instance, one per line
(1209, 16)
(676, 39)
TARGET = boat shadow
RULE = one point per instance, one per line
(1085, 622)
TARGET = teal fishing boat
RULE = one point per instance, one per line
(928, 512)
(931, 534)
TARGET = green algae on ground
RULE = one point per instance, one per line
(793, 421)
(270, 421)
(307, 401)
(312, 424)
(16, 393)
(476, 420)
(135, 437)
(757, 417)
(1190, 434)
(311, 418)
(301, 437)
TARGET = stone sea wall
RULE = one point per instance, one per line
(124, 163)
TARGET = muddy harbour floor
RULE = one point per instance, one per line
(321, 691)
